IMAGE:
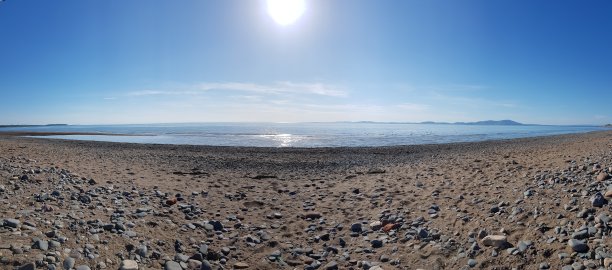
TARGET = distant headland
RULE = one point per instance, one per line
(48, 125)
(480, 123)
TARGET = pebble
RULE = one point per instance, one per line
(472, 263)
(376, 243)
(498, 241)
(11, 222)
(598, 200)
(128, 265)
(172, 265)
(27, 266)
(577, 245)
(241, 265)
(312, 215)
(42, 245)
(68, 263)
(602, 176)
(206, 265)
(333, 265)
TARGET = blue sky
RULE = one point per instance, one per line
(152, 61)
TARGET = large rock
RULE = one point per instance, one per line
(11, 222)
(602, 176)
(172, 265)
(598, 200)
(41, 244)
(333, 265)
(241, 265)
(69, 263)
(27, 266)
(499, 241)
(312, 215)
(128, 265)
(205, 265)
(578, 246)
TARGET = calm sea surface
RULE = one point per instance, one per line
(304, 134)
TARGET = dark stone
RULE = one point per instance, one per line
(376, 243)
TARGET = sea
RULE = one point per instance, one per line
(303, 134)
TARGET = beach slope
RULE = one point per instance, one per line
(532, 203)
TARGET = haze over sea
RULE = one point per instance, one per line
(304, 134)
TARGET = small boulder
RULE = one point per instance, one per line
(602, 176)
(598, 200)
(11, 222)
(578, 246)
(312, 215)
(499, 241)
(128, 265)
(241, 265)
(172, 265)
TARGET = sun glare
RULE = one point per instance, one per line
(285, 12)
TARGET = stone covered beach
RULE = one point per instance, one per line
(533, 203)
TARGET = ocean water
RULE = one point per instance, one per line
(303, 134)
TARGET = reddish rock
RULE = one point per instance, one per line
(171, 202)
(388, 227)
(602, 176)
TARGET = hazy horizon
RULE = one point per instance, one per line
(100, 62)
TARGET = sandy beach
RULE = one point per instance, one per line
(532, 203)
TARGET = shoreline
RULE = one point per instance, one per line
(417, 206)
(55, 133)
(27, 135)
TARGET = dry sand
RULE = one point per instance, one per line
(108, 205)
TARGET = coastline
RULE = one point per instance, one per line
(243, 188)
(47, 133)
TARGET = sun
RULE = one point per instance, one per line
(285, 12)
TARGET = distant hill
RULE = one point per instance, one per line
(480, 123)
(492, 123)
(608, 125)
(49, 125)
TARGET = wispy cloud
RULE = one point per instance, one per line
(109, 98)
(283, 87)
(277, 88)
(159, 93)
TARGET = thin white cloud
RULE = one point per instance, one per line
(159, 93)
(277, 88)
(109, 98)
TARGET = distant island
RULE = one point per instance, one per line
(48, 125)
(480, 123)
(608, 125)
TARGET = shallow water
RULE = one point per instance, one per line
(304, 134)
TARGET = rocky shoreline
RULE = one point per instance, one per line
(533, 203)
